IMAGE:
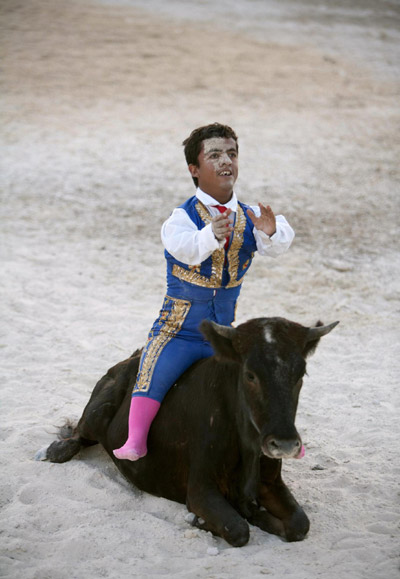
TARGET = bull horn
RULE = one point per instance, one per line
(319, 331)
(225, 331)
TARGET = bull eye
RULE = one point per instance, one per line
(250, 376)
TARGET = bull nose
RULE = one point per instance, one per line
(279, 448)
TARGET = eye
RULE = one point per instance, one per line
(250, 376)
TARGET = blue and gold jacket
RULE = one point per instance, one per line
(223, 269)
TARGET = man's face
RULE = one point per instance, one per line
(218, 168)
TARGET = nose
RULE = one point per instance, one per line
(275, 447)
(225, 159)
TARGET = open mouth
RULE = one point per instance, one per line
(225, 174)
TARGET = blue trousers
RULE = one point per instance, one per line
(175, 342)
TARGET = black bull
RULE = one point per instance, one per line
(218, 440)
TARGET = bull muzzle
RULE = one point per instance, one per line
(275, 447)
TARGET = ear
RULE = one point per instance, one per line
(193, 170)
(220, 338)
(314, 335)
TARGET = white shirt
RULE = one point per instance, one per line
(192, 246)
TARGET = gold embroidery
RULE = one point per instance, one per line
(217, 256)
(233, 252)
(172, 323)
(193, 276)
(203, 212)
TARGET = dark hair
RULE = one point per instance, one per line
(194, 142)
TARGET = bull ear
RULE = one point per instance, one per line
(314, 334)
(220, 338)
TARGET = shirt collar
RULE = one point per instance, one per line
(208, 200)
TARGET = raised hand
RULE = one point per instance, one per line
(266, 222)
(221, 225)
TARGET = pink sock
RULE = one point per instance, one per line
(141, 414)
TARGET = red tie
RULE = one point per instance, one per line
(222, 209)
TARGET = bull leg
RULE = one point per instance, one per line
(283, 512)
(281, 504)
(69, 443)
(250, 482)
(217, 515)
(261, 518)
(72, 438)
(104, 402)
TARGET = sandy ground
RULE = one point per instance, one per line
(95, 101)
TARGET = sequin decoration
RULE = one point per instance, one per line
(218, 256)
(171, 319)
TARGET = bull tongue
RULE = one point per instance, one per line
(302, 452)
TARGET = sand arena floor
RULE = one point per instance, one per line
(95, 101)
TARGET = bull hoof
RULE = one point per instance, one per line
(293, 537)
(298, 527)
(42, 453)
(237, 536)
(62, 450)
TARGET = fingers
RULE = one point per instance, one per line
(221, 220)
(223, 215)
(221, 226)
(265, 213)
(222, 232)
(266, 222)
(221, 235)
(266, 210)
